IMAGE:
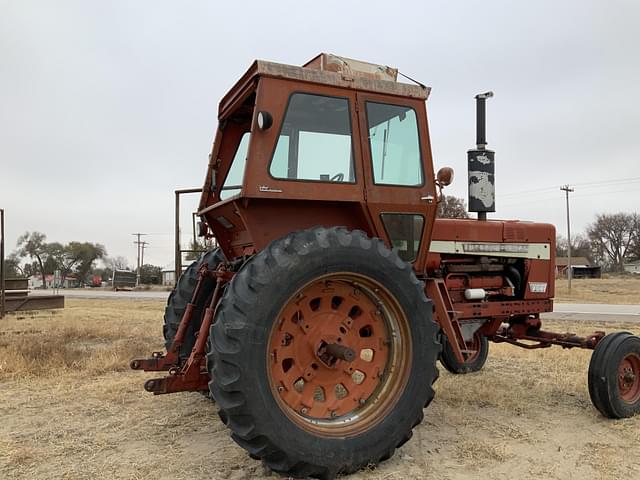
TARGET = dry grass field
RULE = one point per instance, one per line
(71, 409)
(621, 289)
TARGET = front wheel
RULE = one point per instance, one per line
(324, 353)
(614, 375)
(474, 362)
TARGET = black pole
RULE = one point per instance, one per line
(481, 165)
(481, 120)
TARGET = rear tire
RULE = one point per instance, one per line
(614, 375)
(473, 363)
(258, 343)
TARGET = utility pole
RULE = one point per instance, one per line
(138, 243)
(566, 190)
(143, 245)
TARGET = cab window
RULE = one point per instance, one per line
(315, 140)
(405, 233)
(233, 183)
(394, 143)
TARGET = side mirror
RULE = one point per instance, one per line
(444, 176)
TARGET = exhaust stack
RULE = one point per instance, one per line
(481, 166)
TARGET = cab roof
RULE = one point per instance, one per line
(326, 69)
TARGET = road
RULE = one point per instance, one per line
(562, 311)
(98, 293)
(594, 312)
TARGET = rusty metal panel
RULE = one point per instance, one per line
(351, 67)
(16, 284)
(124, 279)
(34, 302)
(341, 80)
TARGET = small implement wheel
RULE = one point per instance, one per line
(614, 375)
(180, 296)
(473, 362)
(324, 353)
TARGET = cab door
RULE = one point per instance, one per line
(398, 172)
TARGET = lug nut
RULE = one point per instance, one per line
(303, 410)
(362, 401)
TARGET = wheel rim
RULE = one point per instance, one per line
(339, 354)
(476, 345)
(629, 378)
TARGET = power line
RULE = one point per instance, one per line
(545, 197)
(589, 185)
(622, 180)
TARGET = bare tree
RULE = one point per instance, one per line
(635, 248)
(198, 248)
(580, 247)
(612, 237)
(12, 266)
(116, 263)
(33, 245)
(452, 207)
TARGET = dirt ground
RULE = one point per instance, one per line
(71, 409)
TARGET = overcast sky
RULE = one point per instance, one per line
(106, 107)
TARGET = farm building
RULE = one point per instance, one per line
(168, 275)
(35, 281)
(581, 267)
(632, 267)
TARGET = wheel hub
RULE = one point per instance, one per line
(330, 353)
(333, 352)
(629, 378)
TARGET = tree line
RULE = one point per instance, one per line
(44, 258)
(610, 241)
(34, 256)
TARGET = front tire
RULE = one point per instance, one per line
(309, 293)
(614, 375)
(473, 362)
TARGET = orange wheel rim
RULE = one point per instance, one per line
(339, 354)
(474, 346)
(629, 378)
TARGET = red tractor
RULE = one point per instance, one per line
(317, 323)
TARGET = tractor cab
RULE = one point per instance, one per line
(334, 142)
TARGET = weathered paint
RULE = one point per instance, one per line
(481, 181)
(541, 251)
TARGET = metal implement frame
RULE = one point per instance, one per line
(178, 250)
(190, 374)
(529, 329)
